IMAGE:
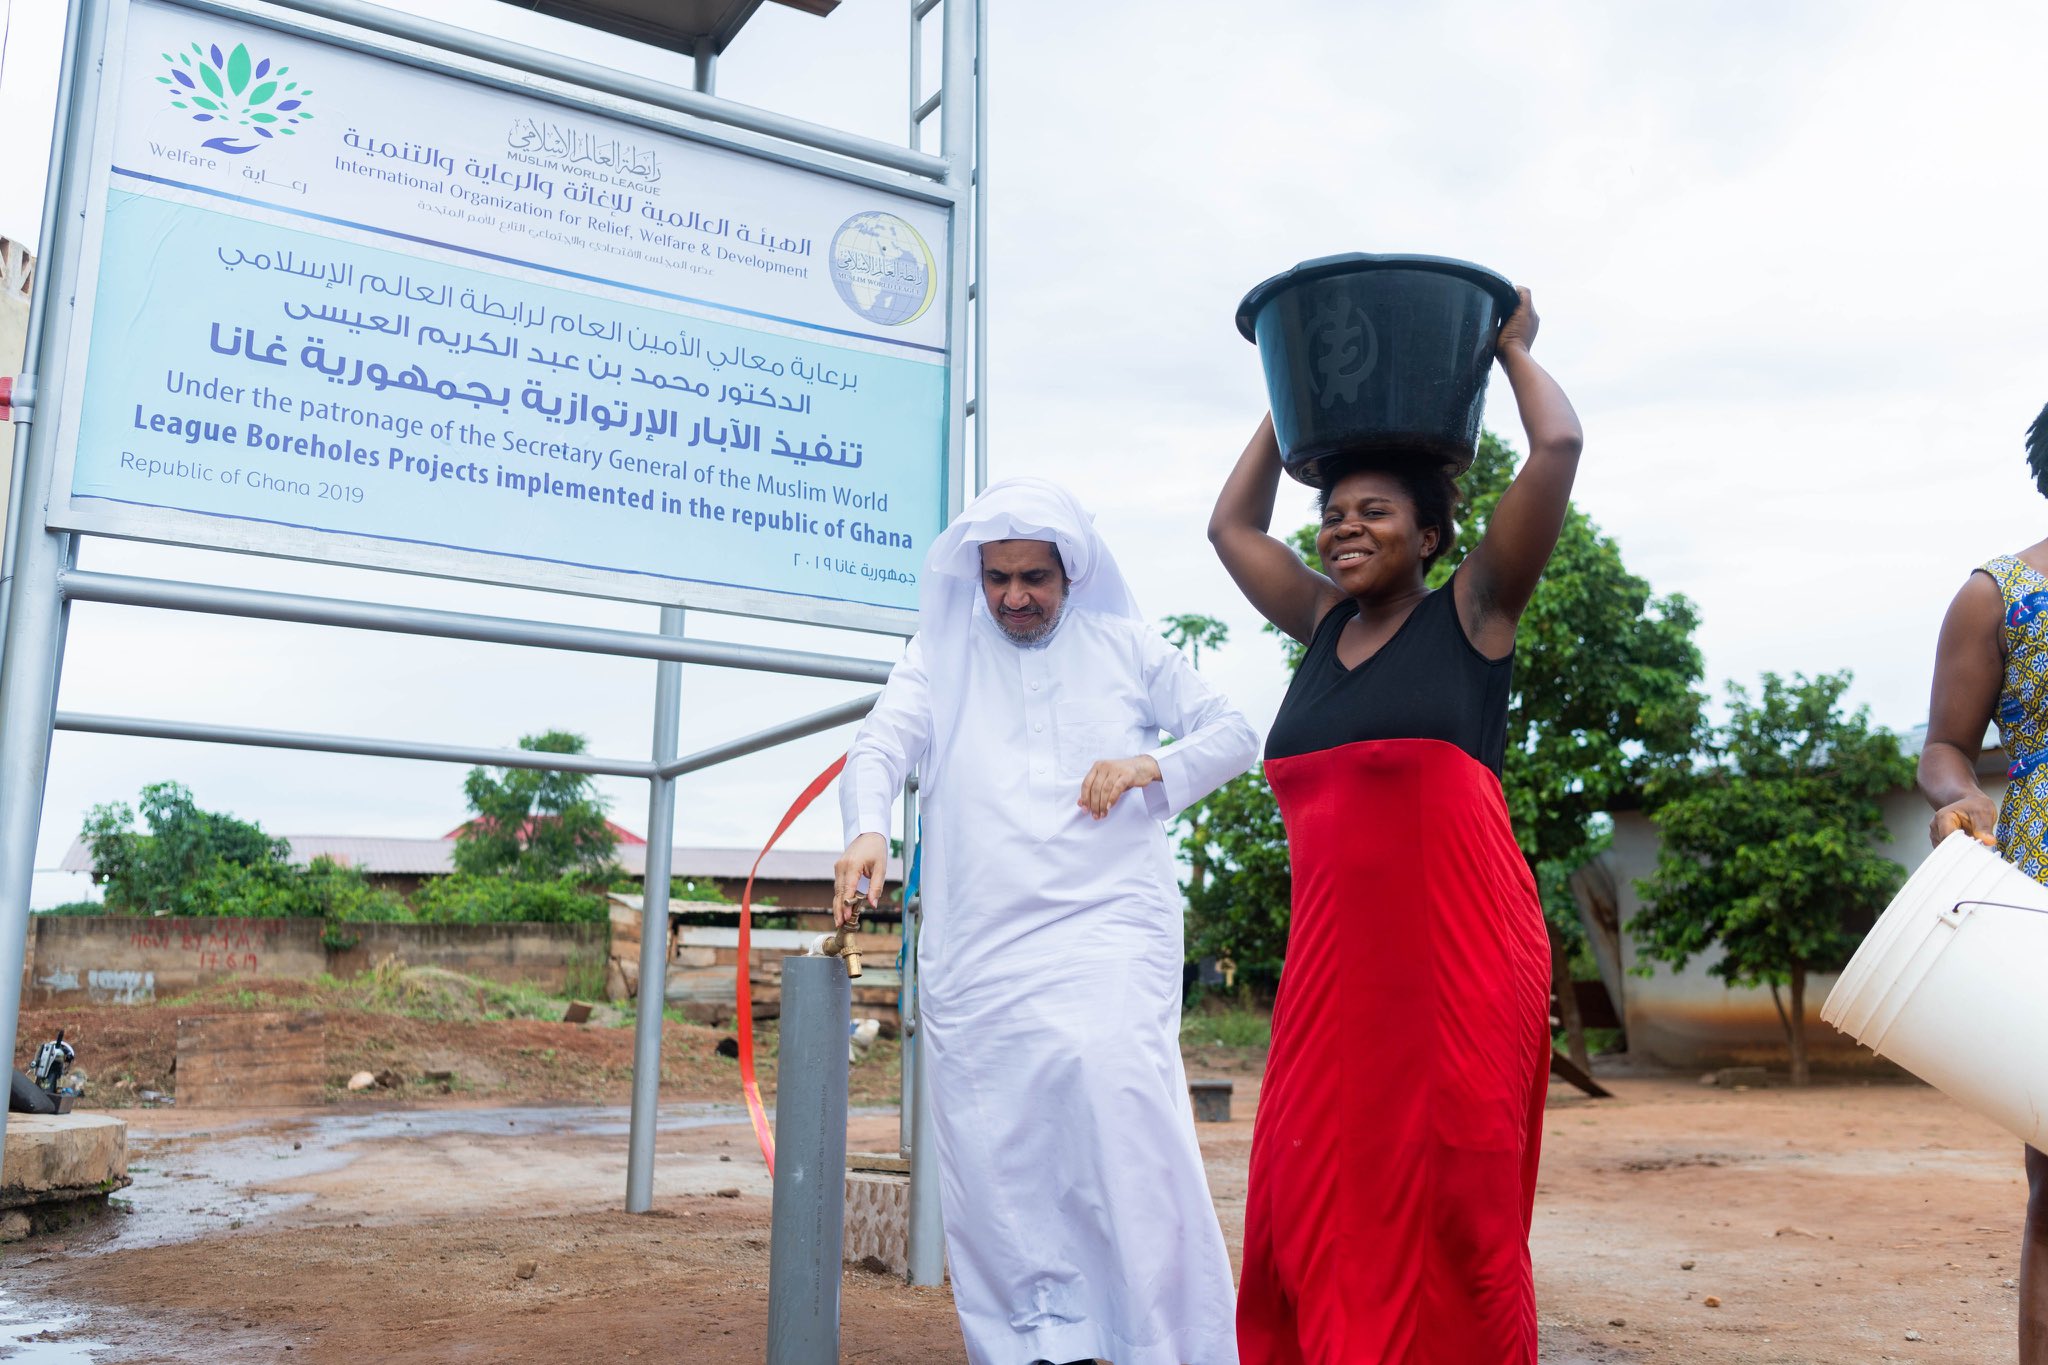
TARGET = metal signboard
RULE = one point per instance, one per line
(356, 301)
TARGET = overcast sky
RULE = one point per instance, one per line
(1787, 258)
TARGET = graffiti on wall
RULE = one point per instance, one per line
(226, 949)
(122, 963)
(120, 987)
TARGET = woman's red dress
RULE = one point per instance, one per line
(1394, 1153)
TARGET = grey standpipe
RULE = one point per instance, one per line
(807, 1234)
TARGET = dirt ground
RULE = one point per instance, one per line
(1855, 1222)
(129, 1049)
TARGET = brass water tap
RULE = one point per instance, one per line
(839, 943)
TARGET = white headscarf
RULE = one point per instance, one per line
(951, 594)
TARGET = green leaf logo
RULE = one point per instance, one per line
(236, 90)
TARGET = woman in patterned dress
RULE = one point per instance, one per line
(1992, 659)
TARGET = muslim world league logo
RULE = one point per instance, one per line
(883, 269)
(239, 94)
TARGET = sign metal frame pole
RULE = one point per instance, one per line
(652, 995)
(31, 653)
(39, 578)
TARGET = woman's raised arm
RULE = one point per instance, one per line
(1502, 571)
(1286, 591)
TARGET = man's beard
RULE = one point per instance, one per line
(1033, 634)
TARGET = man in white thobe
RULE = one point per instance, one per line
(1078, 1220)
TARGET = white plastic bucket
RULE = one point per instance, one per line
(1960, 870)
(1949, 985)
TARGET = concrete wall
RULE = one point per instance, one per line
(1688, 1018)
(543, 955)
(117, 960)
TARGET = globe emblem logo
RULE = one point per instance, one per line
(882, 269)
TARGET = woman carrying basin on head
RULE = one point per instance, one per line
(1393, 1163)
(1992, 658)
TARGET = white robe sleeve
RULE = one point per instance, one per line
(890, 742)
(1213, 742)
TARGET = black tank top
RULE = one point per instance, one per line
(1427, 682)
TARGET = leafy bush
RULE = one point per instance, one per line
(326, 890)
(193, 862)
(77, 908)
(464, 898)
(439, 994)
(1227, 1027)
(1239, 908)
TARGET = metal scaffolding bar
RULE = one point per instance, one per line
(39, 579)
(956, 143)
(978, 205)
(87, 723)
(31, 652)
(967, 156)
(831, 718)
(121, 590)
(925, 1236)
(916, 42)
(906, 992)
(652, 994)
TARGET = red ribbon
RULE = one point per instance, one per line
(755, 1109)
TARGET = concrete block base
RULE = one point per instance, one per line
(878, 1221)
(57, 1168)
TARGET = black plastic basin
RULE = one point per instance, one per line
(1376, 355)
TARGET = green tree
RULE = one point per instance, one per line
(1605, 698)
(1240, 909)
(1605, 702)
(1770, 852)
(1192, 632)
(536, 825)
(199, 862)
(166, 869)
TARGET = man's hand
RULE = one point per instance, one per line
(867, 856)
(1111, 778)
(1976, 815)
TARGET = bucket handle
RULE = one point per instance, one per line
(2000, 905)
